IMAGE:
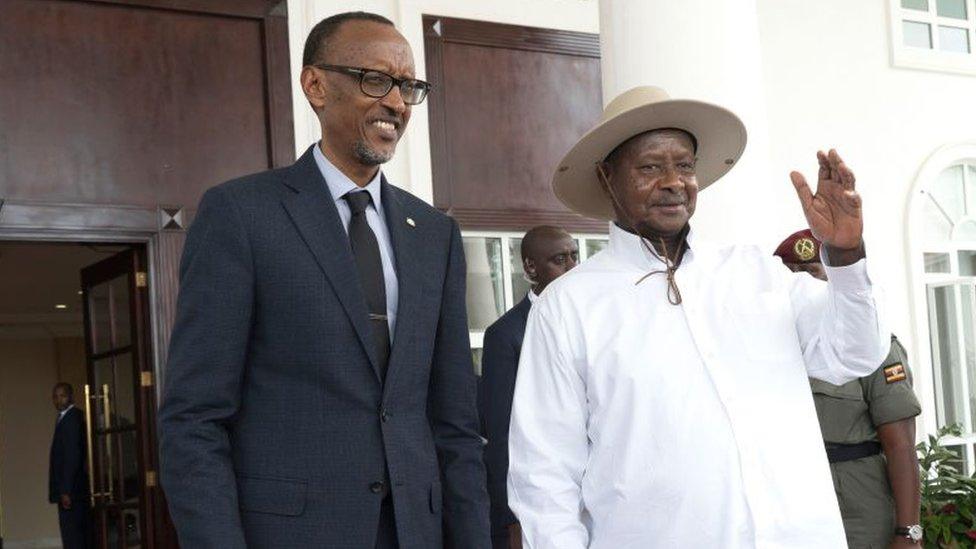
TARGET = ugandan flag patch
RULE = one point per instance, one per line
(895, 372)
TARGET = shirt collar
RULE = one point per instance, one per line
(65, 411)
(339, 184)
(627, 247)
(533, 297)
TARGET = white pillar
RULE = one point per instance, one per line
(707, 50)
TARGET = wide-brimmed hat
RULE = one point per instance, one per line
(720, 136)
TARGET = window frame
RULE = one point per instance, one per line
(928, 374)
(969, 435)
(933, 59)
(476, 337)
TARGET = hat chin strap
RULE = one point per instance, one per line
(674, 293)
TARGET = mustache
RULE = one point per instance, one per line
(669, 201)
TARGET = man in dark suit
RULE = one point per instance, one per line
(320, 391)
(67, 478)
(547, 253)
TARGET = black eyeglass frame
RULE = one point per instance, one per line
(361, 72)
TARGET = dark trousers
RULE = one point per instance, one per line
(386, 536)
(75, 523)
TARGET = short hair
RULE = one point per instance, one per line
(66, 386)
(316, 45)
(530, 242)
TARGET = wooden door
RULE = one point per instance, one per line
(127, 504)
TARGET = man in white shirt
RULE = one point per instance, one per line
(662, 397)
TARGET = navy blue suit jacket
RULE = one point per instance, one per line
(499, 365)
(66, 469)
(275, 427)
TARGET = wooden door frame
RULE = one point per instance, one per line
(145, 238)
(148, 350)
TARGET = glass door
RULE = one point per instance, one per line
(121, 402)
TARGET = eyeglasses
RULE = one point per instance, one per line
(377, 83)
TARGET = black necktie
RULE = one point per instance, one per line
(367, 253)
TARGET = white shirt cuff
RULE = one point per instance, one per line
(850, 278)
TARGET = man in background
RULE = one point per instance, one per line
(68, 480)
(547, 253)
(868, 427)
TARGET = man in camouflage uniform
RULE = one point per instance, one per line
(868, 427)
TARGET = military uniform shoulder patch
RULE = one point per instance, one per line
(895, 372)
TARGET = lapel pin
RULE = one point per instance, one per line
(411, 222)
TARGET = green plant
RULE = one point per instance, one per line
(948, 495)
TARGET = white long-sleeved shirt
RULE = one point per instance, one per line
(640, 424)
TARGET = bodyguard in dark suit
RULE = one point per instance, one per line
(320, 391)
(547, 253)
(67, 478)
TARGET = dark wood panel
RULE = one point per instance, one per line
(511, 116)
(237, 8)
(121, 104)
(501, 118)
(467, 31)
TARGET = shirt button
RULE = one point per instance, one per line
(385, 415)
(376, 487)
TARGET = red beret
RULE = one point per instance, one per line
(799, 247)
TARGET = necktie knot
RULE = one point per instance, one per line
(358, 200)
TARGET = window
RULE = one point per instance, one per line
(946, 209)
(496, 282)
(934, 34)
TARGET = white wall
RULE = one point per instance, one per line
(29, 368)
(410, 168)
(707, 50)
(829, 82)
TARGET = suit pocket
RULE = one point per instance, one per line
(435, 497)
(276, 496)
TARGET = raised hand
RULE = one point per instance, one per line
(834, 212)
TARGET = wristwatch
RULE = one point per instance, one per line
(913, 532)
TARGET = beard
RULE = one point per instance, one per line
(369, 156)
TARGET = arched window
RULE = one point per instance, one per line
(943, 230)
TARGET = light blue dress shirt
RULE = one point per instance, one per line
(339, 184)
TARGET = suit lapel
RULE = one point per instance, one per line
(524, 307)
(406, 245)
(314, 214)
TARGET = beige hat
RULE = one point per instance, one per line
(720, 134)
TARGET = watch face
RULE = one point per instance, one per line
(915, 532)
